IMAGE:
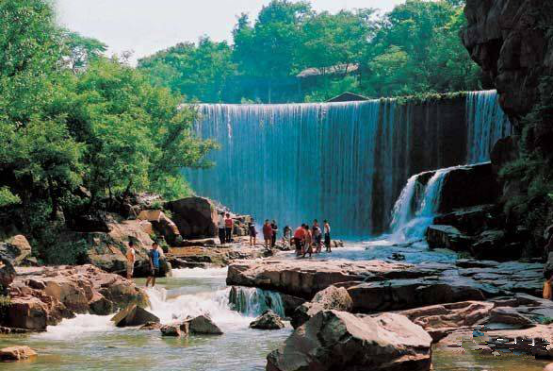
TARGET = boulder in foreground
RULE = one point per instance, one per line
(268, 321)
(16, 353)
(331, 298)
(177, 329)
(334, 340)
(134, 315)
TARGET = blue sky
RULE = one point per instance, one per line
(145, 26)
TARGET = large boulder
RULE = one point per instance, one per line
(267, 321)
(133, 315)
(203, 325)
(7, 274)
(333, 340)
(163, 225)
(194, 216)
(495, 245)
(331, 298)
(25, 313)
(16, 353)
(472, 220)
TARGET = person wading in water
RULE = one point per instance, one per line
(268, 234)
(327, 235)
(154, 258)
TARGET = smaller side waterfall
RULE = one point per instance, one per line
(417, 205)
(486, 123)
(253, 301)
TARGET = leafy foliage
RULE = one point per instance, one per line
(414, 49)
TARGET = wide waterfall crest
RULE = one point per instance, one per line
(346, 162)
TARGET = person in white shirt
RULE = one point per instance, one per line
(221, 228)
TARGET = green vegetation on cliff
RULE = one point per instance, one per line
(292, 53)
(70, 118)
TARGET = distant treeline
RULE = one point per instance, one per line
(292, 53)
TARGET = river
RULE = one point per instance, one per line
(90, 342)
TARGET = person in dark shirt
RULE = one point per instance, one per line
(275, 229)
(252, 232)
(154, 259)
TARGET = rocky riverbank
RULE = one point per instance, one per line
(43, 296)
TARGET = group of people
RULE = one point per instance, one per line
(309, 240)
(225, 228)
(155, 254)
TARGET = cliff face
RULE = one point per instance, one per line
(512, 41)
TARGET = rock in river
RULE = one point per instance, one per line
(268, 321)
(332, 297)
(203, 325)
(334, 340)
(16, 353)
(133, 315)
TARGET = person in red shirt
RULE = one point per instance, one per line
(299, 235)
(268, 233)
(228, 228)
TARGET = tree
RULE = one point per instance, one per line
(81, 50)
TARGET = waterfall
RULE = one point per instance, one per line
(346, 162)
(252, 301)
(486, 124)
(414, 211)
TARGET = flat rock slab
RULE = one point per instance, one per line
(16, 353)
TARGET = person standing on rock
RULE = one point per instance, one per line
(131, 258)
(228, 228)
(327, 235)
(308, 240)
(299, 235)
(316, 233)
(287, 236)
(252, 232)
(154, 259)
(275, 229)
(221, 228)
(268, 234)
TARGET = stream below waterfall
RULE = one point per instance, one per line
(90, 342)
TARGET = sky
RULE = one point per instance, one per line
(146, 26)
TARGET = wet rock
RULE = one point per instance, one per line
(177, 329)
(267, 321)
(448, 237)
(290, 303)
(101, 306)
(203, 325)
(163, 225)
(17, 353)
(331, 298)
(472, 220)
(404, 294)
(343, 341)
(133, 315)
(510, 316)
(194, 216)
(151, 326)
(443, 319)
(493, 244)
(25, 313)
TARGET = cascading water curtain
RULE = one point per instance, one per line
(345, 162)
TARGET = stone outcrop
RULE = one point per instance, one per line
(378, 286)
(7, 274)
(16, 249)
(199, 256)
(162, 225)
(267, 321)
(176, 329)
(334, 340)
(17, 353)
(43, 296)
(331, 298)
(194, 216)
(134, 315)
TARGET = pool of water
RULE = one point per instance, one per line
(90, 342)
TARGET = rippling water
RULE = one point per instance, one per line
(90, 342)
